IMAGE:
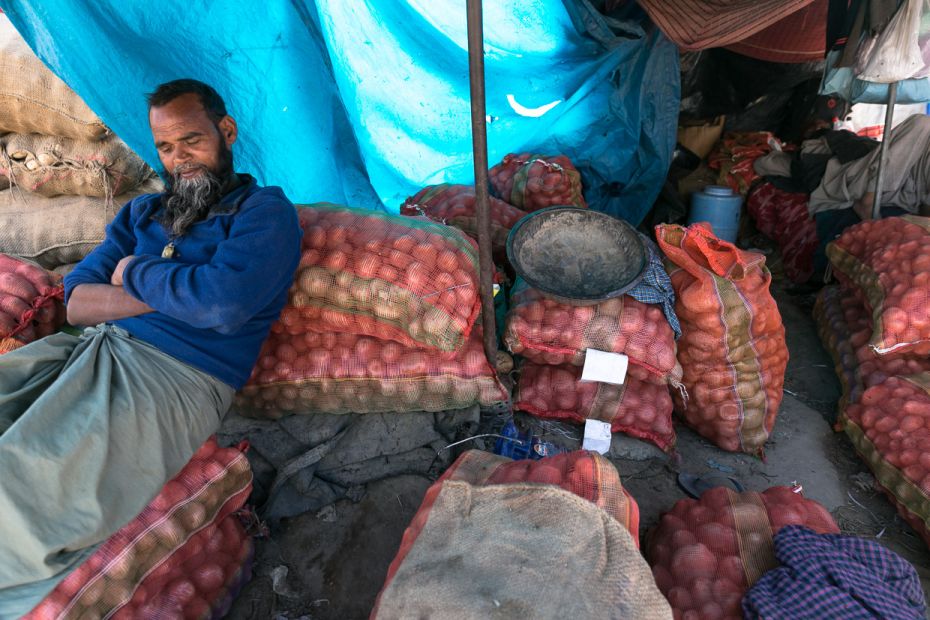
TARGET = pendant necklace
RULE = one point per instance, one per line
(168, 250)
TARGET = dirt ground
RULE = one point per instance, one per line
(332, 564)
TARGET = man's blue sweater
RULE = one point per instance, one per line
(216, 299)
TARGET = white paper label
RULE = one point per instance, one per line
(596, 436)
(604, 367)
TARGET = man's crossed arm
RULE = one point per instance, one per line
(91, 304)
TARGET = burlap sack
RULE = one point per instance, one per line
(35, 100)
(521, 551)
(53, 166)
(55, 231)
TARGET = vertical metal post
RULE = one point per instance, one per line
(889, 117)
(479, 138)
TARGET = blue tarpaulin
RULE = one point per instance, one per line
(364, 102)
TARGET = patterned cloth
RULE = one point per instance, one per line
(835, 576)
(656, 287)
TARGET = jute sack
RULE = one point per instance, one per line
(35, 100)
(55, 231)
(54, 166)
(520, 550)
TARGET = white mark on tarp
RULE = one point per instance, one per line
(531, 112)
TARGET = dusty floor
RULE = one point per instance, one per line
(332, 564)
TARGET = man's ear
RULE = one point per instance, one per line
(229, 131)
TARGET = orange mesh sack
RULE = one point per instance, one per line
(300, 371)
(185, 555)
(890, 430)
(455, 205)
(31, 303)
(637, 408)
(846, 328)
(546, 331)
(532, 182)
(388, 276)
(705, 554)
(732, 348)
(586, 474)
(887, 262)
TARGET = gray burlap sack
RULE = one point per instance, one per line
(33, 99)
(56, 231)
(521, 551)
(54, 166)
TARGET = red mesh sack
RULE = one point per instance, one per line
(637, 408)
(887, 262)
(184, 556)
(890, 430)
(31, 303)
(532, 182)
(783, 217)
(392, 277)
(546, 331)
(455, 205)
(299, 371)
(732, 349)
(705, 554)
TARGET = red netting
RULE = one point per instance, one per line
(31, 304)
(783, 217)
(455, 205)
(300, 371)
(890, 429)
(637, 408)
(546, 331)
(388, 276)
(168, 556)
(586, 474)
(706, 553)
(887, 262)
(533, 182)
(732, 349)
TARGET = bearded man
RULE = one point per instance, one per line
(179, 298)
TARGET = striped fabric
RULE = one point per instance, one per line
(700, 24)
(799, 37)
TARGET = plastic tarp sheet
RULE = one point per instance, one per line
(364, 102)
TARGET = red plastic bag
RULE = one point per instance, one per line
(887, 262)
(455, 205)
(185, 555)
(388, 276)
(301, 371)
(637, 408)
(705, 554)
(890, 429)
(732, 349)
(546, 331)
(533, 182)
(31, 303)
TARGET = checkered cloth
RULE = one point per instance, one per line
(656, 287)
(835, 576)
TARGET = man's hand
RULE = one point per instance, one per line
(117, 278)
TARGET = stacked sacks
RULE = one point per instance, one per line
(455, 205)
(475, 548)
(783, 217)
(890, 429)
(887, 264)
(845, 329)
(31, 303)
(67, 175)
(185, 556)
(533, 182)
(553, 337)
(705, 554)
(732, 349)
(381, 318)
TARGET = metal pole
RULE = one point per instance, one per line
(886, 135)
(479, 139)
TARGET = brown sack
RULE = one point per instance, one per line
(53, 166)
(35, 100)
